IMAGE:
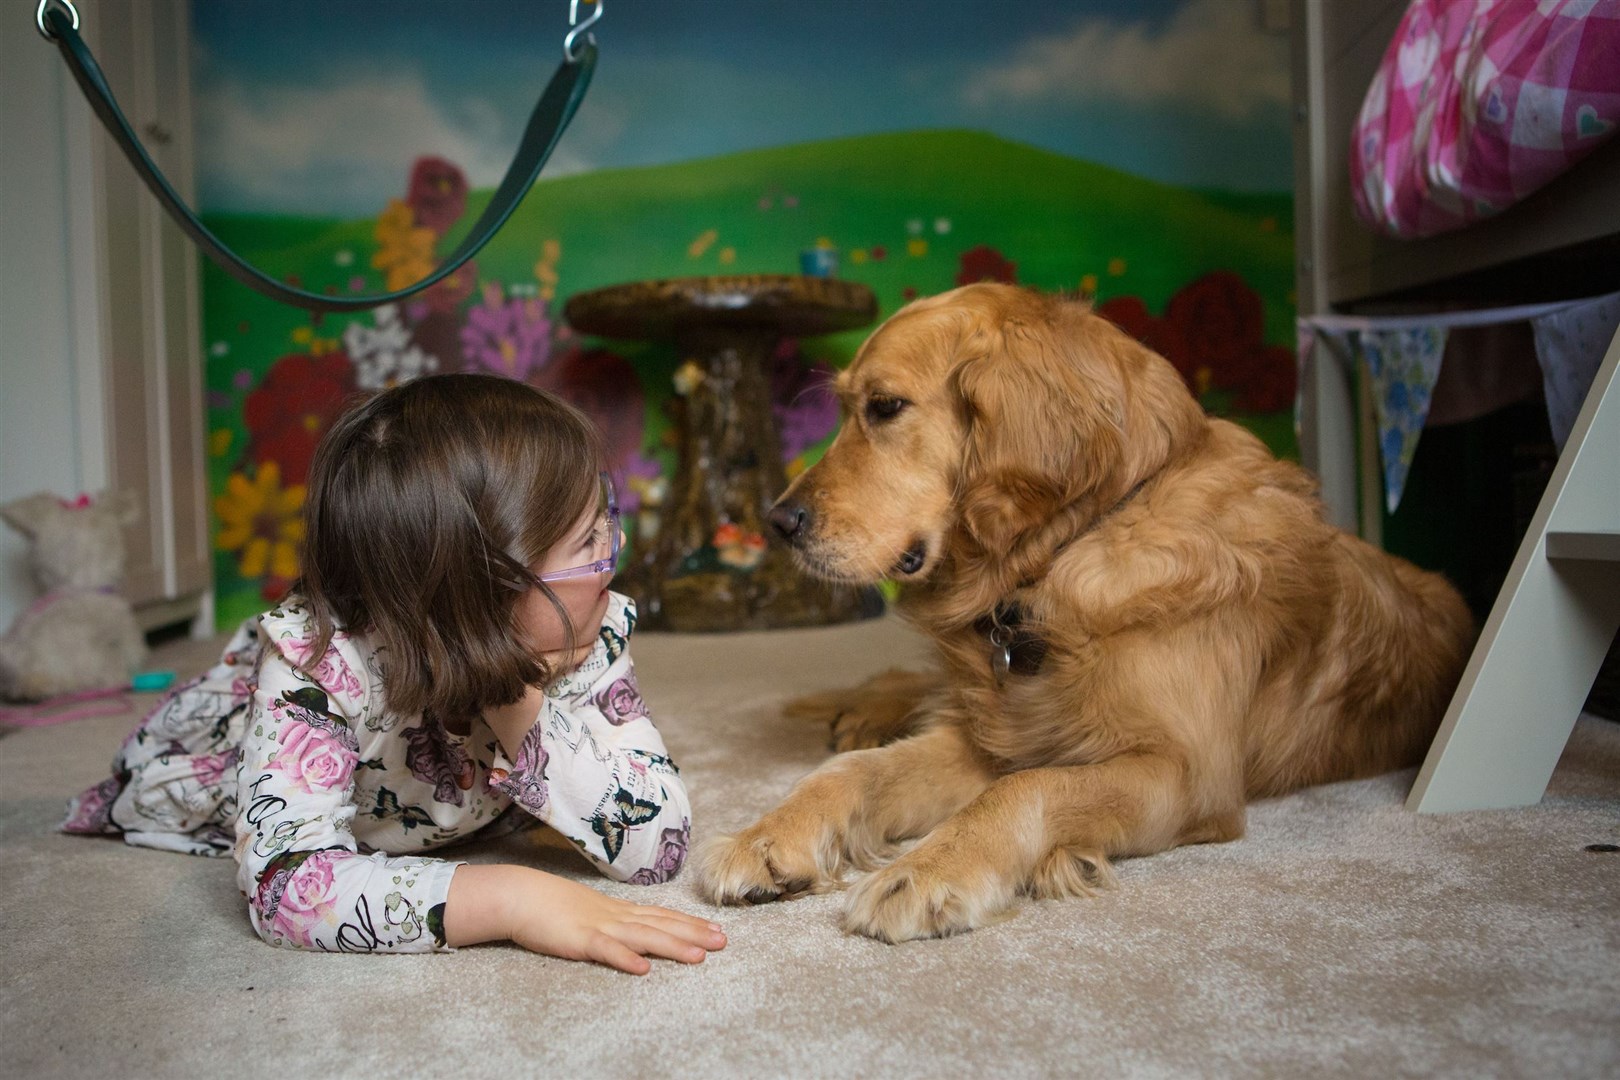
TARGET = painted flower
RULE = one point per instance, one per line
(437, 194)
(605, 387)
(308, 899)
(1273, 380)
(621, 701)
(671, 857)
(985, 263)
(438, 334)
(404, 249)
(802, 400)
(312, 760)
(383, 354)
(506, 337)
(300, 397)
(261, 520)
(1224, 321)
(445, 296)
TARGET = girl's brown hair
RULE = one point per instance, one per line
(427, 503)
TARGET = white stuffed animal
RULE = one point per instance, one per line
(80, 634)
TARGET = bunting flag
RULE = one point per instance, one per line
(1400, 357)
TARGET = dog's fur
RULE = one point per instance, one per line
(1211, 639)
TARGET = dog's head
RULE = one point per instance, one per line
(972, 418)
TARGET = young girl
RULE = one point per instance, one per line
(452, 659)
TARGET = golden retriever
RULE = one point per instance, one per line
(1143, 621)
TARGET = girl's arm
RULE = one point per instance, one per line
(306, 882)
(309, 887)
(586, 759)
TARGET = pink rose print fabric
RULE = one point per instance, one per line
(621, 701)
(1478, 103)
(331, 802)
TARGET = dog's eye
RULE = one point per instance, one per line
(880, 407)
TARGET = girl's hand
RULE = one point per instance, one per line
(575, 922)
(561, 662)
(552, 915)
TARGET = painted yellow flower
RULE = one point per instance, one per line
(261, 520)
(404, 251)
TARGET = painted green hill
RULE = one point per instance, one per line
(1056, 218)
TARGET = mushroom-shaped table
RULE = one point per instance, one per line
(709, 566)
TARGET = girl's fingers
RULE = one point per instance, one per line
(700, 934)
(671, 913)
(653, 941)
(605, 948)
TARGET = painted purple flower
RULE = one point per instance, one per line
(434, 759)
(671, 856)
(506, 337)
(802, 400)
(621, 701)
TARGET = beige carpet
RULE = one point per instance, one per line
(1343, 937)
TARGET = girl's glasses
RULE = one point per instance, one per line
(609, 521)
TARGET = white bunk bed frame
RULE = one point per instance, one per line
(1559, 608)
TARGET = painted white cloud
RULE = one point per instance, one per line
(346, 146)
(1212, 56)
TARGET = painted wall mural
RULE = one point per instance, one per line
(961, 154)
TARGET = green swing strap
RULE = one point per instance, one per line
(556, 107)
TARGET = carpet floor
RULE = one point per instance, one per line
(1343, 936)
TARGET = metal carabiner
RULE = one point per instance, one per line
(39, 16)
(573, 35)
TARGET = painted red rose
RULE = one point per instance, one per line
(605, 387)
(1223, 320)
(985, 263)
(289, 411)
(1272, 381)
(439, 335)
(438, 193)
(449, 294)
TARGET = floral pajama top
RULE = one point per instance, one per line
(327, 799)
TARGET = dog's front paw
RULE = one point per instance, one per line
(757, 866)
(919, 898)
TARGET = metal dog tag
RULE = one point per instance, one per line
(1000, 654)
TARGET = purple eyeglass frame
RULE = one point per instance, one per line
(600, 566)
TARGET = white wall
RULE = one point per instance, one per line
(50, 392)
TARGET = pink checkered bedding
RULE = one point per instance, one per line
(1477, 103)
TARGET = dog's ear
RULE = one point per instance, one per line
(1059, 404)
(1159, 417)
(30, 512)
(1041, 430)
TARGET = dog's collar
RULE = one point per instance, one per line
(1015, 649)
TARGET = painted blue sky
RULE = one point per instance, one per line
(319, 106)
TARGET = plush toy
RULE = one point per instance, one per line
(80, 634)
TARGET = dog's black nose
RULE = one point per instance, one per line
(789, 519)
